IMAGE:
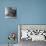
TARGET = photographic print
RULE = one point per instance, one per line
(10, 12)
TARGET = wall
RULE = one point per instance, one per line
(28, 12)
(33, 12)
